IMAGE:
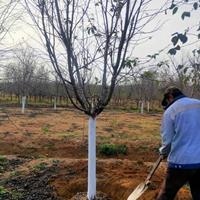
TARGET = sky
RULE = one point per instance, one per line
(171, 24)
(23, 33)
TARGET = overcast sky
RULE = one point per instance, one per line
(21, 32)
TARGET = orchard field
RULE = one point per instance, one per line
(43, 154)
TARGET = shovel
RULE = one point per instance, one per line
(142, 187)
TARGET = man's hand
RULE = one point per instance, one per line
(163, 156)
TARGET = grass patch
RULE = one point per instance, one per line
(3, 159)
(55, 162)
(3, 191)
(41, 166)
(112, 149)
(45, 129)
(15, 173)
(3, 163)
(14, 195)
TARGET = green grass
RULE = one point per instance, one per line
(3, 163)
(41, 166)
(45, 128)
(3, 191)
(15, 173)
(112, 149)
(55, 162)
(2, 159)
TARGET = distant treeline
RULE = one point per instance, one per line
(129, 97)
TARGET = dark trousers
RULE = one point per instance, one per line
(175, 179)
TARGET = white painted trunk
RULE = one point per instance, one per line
(91, 159)
(142, 107)
(23, 103)
(55, 106)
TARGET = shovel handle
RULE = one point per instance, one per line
(155, 166)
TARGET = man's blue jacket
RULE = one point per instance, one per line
(180, 132)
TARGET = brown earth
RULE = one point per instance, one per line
(48, 149)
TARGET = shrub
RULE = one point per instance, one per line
(112, 149)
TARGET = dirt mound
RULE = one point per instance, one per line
(83, 196)
(10, 163)
(35, 186)
(62, 179)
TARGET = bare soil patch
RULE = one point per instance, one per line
(83, 196)
(45, 155)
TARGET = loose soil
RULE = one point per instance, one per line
(44, 155)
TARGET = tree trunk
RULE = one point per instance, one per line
(55, 102)
(67, 101)
(23, 103)
(148, 106)
(142, 107)
(91, 158)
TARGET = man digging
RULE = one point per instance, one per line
(180, 132)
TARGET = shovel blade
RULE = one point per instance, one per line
(139, 190)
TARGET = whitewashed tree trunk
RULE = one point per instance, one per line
(23, 104)
(91, 158)
(142, 107)
(55, 103)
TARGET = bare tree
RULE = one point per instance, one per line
(25, 76)
(40, 83)
(20, 73)
(173, 72)
(57, 86)
(88, 44)
(7, 16)
(193, 69)
(148, 87)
